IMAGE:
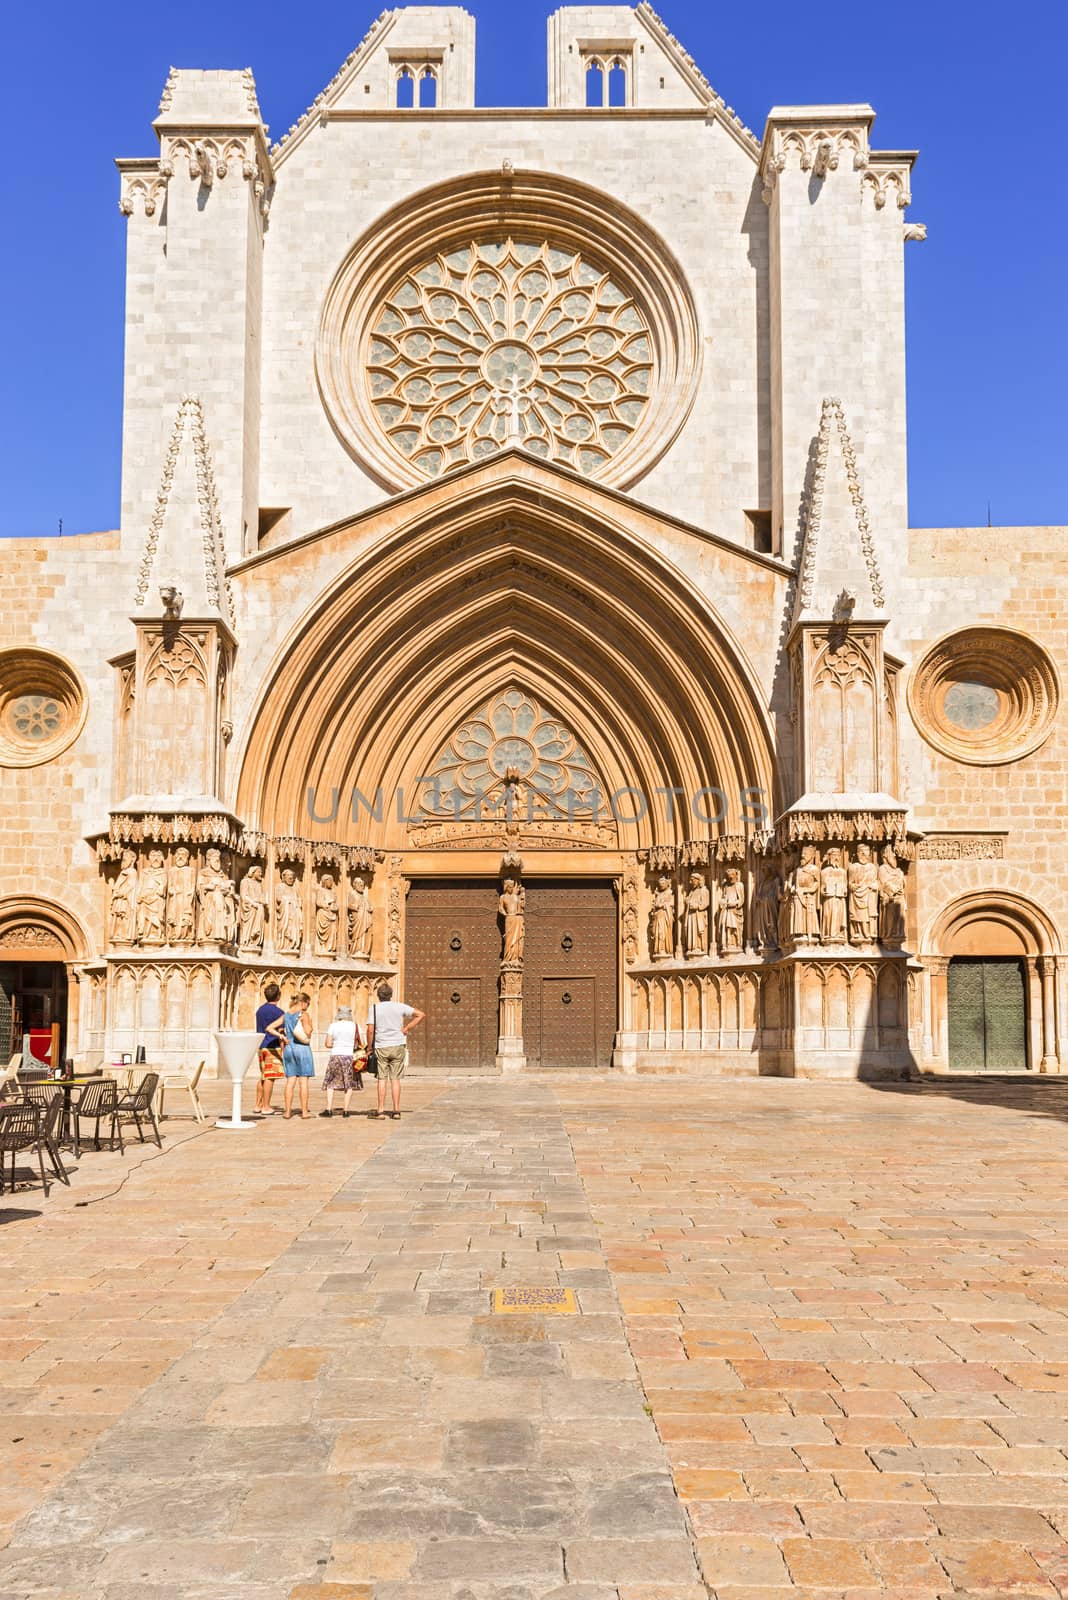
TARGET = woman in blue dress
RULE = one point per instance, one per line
(298, 1063)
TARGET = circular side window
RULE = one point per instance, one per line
(984, 695)
(42, 706)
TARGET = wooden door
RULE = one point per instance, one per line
(452, 962)
(987, 1015)
(569, 978)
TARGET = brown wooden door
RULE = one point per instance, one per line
(569, 978)
(452, 961)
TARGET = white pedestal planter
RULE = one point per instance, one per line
(237, 1051)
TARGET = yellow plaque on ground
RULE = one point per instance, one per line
(535, 1301)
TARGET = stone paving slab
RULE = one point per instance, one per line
(820, 1350)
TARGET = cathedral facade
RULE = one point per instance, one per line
(515, 594)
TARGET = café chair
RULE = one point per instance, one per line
(48, 1097)
(97, 1101)
(20, 1129)
(179, 1078)
(138, 1103)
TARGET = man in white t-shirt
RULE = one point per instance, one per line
(387, 1034)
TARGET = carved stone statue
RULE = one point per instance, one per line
(785, 909)
(327, 917)
(805, 904)
(181, 898)
(833, 911)
(730, 918)
(766, 907)
(123, 901)
(152, 901)
(214, 904)
(360, 914)
(863, 898)
(231, 911)
(891, 899)
(695, 917)
(512, 905)
(252, 908)
(662, 922)
(288, 915)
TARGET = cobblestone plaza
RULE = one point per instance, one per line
(819, 1350)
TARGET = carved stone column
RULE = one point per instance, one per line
(511, 1056)
(1047, 967)
(939, 970)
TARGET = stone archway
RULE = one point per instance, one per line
(509, 585)
(39, 943)
(510, 590)
(994, 984)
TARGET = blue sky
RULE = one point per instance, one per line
(975, 86)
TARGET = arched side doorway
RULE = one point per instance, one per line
(39, 943)
(994, 980)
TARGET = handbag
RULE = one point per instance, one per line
(371, 1065)
(300, 1032)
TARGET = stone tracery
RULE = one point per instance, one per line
(508, 341)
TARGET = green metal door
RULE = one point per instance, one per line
(987, 1015)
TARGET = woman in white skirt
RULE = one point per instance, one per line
(347, 1055)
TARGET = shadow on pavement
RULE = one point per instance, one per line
(1042, 1096)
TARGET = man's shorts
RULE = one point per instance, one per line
(270, 1064)
(391, 1060)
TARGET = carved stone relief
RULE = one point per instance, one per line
(288, 914)
(730, 915)
(252, 910)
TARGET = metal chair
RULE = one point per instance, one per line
(9, 1074)
(180, 1079)
(20, 1129)
(97, 1100)
(48, 1097)
(139, 1103)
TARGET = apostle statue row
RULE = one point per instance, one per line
(825, 899)
(186, 902)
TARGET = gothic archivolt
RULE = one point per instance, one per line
(985, 695)
(507, 585)
(45, 930)
(529, 311)
(42, 706)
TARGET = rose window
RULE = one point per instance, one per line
(511, 737)
(985, 695)
(504, 343)
(35, 716)
(42, 706)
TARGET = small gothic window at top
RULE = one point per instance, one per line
(508, 342)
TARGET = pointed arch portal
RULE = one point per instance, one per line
(510, 673)
(500, 586)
